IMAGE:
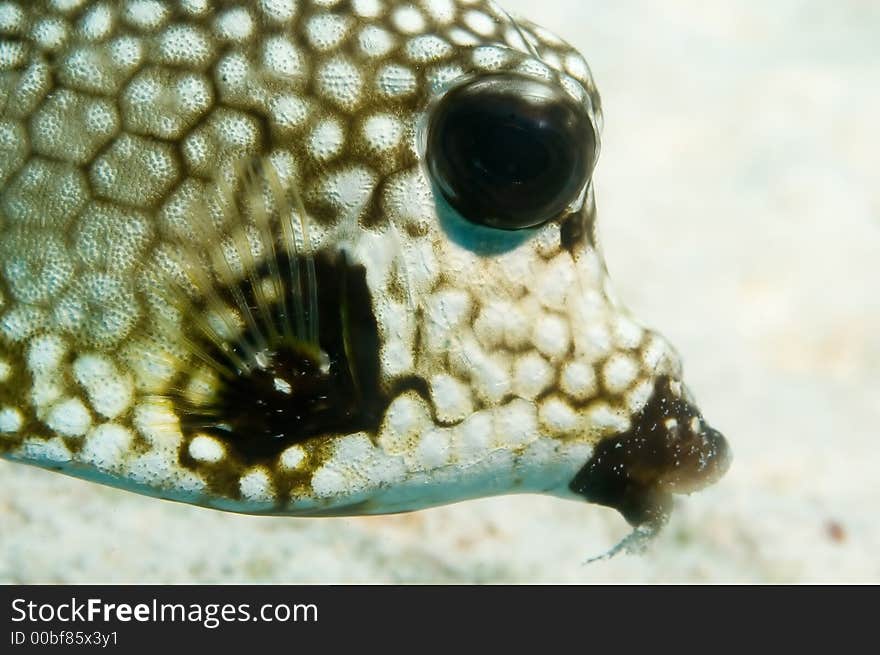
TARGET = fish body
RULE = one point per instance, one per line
(320, 258)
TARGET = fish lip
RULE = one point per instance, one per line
(717, 460)
(668, 449)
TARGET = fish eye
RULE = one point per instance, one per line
(509, 151)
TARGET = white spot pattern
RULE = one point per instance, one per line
(125, 163)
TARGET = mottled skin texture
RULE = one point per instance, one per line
(161, 166)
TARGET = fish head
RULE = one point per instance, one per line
(323, 258)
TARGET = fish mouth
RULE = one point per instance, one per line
(669, 449)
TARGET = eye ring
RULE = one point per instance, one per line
(509, 151)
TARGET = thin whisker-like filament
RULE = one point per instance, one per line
(283, 209)
(228, 277)
(212, 302)
(311, 276)
(260, 173)
(252, 197)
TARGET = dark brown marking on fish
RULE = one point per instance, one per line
(637, 472)
(301, 389)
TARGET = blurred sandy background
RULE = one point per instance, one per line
(739, 204)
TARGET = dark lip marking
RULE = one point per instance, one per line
(637, 472)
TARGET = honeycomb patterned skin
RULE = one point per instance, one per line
(227, 277)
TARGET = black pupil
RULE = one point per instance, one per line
(510, 152)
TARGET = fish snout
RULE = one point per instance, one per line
(669, 449)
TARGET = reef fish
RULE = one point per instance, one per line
(320, 257)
